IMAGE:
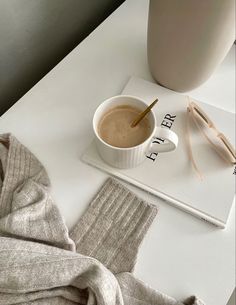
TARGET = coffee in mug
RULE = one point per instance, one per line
(121, 145)
(115, 127)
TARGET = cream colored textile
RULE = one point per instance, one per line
(40, 263)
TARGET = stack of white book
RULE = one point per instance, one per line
(171, 176)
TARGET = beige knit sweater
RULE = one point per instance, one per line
(41, 263)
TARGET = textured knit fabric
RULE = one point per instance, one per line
(26, 182)
(113, 227)
(38, 262)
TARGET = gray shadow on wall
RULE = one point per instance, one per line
(36, 34)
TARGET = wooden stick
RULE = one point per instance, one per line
(143, 114)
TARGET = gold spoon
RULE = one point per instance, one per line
(143, 114)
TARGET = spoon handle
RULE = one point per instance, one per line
(143, 114)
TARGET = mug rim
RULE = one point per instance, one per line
(107, 102)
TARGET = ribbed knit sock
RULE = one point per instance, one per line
(113, 227)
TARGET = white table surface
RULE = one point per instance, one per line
(181, 255)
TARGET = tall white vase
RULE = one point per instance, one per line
(188, 39)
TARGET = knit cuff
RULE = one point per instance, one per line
(113, 227)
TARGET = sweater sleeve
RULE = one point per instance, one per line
(113, 227)
(136, 292)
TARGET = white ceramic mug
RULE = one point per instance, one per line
(131, 156)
